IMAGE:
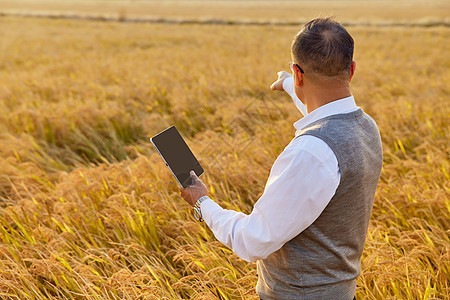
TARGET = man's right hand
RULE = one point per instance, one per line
(278, 84)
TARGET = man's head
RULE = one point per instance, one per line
(323, 66)
(323, 48)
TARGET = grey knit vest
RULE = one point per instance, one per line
(324, 260)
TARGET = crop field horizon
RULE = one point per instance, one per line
(378, 12)
(89, 210)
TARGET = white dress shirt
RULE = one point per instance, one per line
(302, 181)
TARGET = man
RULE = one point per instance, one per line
(307, 231)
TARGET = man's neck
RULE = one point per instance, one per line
(318, 97)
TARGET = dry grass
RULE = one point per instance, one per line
(89, 211)
(365, 11)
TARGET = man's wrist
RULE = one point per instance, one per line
(197, 210)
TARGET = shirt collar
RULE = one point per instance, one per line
(340, 106)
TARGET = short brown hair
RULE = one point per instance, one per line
(323, 47)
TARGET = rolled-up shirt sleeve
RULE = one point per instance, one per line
(299, 188)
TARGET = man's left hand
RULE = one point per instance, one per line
(196, 190)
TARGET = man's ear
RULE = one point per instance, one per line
(298, 78)
(352, 70)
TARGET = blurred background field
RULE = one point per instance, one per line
(88, 209)
(382, 12)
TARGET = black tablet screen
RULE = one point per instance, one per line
(177, 155)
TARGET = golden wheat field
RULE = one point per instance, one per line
(359, 11)
(90, 211)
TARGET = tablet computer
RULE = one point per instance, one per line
(177, 155)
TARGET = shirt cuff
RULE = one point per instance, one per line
(208, 209)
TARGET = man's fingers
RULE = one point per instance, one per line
(194, 178)
(278, 84)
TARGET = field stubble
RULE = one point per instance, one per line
(90, 211)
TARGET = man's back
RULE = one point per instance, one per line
(309, 226)
(323, 261)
